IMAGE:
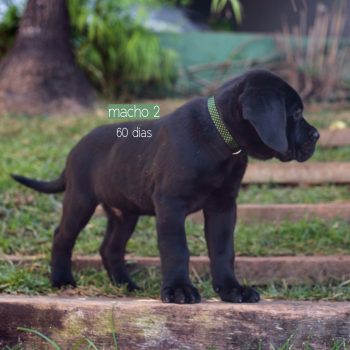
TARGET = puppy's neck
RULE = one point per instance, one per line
(221, 127)
(204, 130)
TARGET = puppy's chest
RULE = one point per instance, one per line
(213, 182)
(221, 178)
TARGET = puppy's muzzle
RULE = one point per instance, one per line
(308, 148)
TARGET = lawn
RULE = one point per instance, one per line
(33, 279)
(30, 218)
(38, 148)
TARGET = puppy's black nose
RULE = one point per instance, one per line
(315, 135)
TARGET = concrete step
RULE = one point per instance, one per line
(250, 213)
(255, 270)
(334, 138)
(294, 173)
(149, 324)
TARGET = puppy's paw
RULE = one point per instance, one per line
(180, 294)
(132, 287)
(60, 279)
(240, 295)
(120, 280)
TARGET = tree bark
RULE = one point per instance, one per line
(39, 74)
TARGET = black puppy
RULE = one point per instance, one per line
(195, 160)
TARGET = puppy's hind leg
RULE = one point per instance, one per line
(119, 229)
(77, 211)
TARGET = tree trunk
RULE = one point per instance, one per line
(39, 74)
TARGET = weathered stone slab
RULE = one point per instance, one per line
(256, 270)
(294, 173)
(335, 138)
(250, 213)
(149, 324)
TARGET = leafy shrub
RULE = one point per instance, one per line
(8, 28)
(119, 55)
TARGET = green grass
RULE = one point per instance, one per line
(271, 193)
(33, 279)
(324, 117)
(337, 344)
(323, 154)
(29, 219)
(38, 147)
(304, 237)
(340, 344)
(337, 154)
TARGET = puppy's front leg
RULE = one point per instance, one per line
(174, 254)
(219, 227)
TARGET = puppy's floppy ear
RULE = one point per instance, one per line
(265, 110)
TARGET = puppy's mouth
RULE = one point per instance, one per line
(286, 157)
(305, 152)
(301, 154)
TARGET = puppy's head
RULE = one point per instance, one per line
(270, 118)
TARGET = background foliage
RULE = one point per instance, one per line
(123, 59)
(316, 66)
(119, 55)
(8, 28)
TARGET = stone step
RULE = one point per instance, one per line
(250, 213)
(149, 324)
(309, 173)
(334, 138)
(253, 213)
(255, 270)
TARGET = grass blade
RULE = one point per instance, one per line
(114, 334)
(43, 336)
(91, 344)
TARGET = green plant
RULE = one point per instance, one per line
(219, 5)
(53, 344)
(288, 345)
(77, 344)
(8, 27)
(339, 344)
(118, 53)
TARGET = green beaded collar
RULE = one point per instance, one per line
(221, 127)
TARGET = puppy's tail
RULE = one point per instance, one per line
(55, 186)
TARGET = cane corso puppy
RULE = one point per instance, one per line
(195, 160)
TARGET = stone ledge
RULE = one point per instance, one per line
(311, 173)
(149, 324)
(249, 213)
(335, 138)
(255, 270)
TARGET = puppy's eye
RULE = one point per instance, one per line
(297, 115)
